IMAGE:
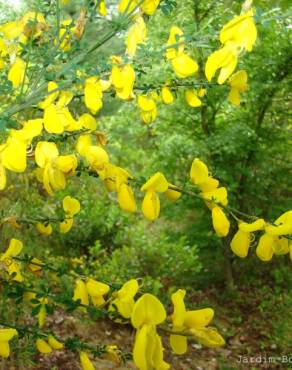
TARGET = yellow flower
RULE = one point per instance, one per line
(43, 346)
(193, 323)
(238, 84)
(148, 108)
(14, 155)
(184, 66)
(224, 59)
(93, 94)
(86, 364)
(57, 119)
(123, 78)
(127, 5)
(221, 223)
(52, 96)
(16, 72)
(71, 206)
(149, 6)
(97, 290)
(199, 172)
(148, 349)
(151, 203)
(176, 40)
(5, 336)
(47, 347)
(102, 8)
(218, 195)
(66, 225)
(166, 95)
(96, 157)
(172, 194)
(81, 293)
(264, 248)
(282, 226)
(42, 313)
(240, 243)
(54, 343)
(124, 298)
(88, 122)
(148, 312)
(13, 267)
(241, 240)
(136, 35)
(241, 31)
(67, 163)
(126, 198)
(192, 99)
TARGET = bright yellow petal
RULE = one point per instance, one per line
(240, 243)
(148, 310)
(199, 172)
(220, 222)
(178, 344)
(126, 198)
(264, 249)
(254, 226)
(151, 205)
(54, 343)
(43, 346)
(86, 364)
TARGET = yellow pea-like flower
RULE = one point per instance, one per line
(126, 198)
(5, 336)
(199, 172)
(71, 206)
(259, 224)
(148, 310)
(218, 195)
(151, 205)
(52, 96)
(14, 155)
(124, 298)
(224, 59)
(238, 84)
(241, 31)
(175, 39)
(166, 95)
(54, 343)
(221, 223)
(87, 121)
(192, 99)
(80, 292)
(43, 346)
(264, 248)
(127, 5)
(102, 8)
(97, 290)
(149, 6)
(136, 35)
(86, 364)
(184, 66)
(16, 72)
(66, 225)
(240, 243)
(93, 94)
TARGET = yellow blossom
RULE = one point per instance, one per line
(136, 35)
(16, 72)
(5, 336)
(12, 266)
(238, 84)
